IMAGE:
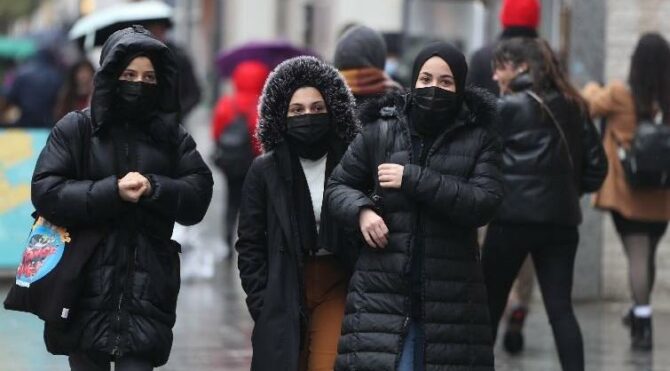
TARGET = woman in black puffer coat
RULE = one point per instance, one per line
(417, 298)
(295, 285)
(552, 155)
(144, 174)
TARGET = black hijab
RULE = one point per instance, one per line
(446, 105)
(454, 58)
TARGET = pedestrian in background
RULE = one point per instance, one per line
(640, 215)
(519, 18)
(417, 299)
(35, 90)
(551, 156)
(75, 95)
(295, 286)
(145, 174)
(233, 127)
(360, 55)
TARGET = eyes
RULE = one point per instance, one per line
(299, 109)
(148, 77)
(444, 82)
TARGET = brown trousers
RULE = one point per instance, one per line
(325, 293)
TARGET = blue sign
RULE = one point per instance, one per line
(19, 149)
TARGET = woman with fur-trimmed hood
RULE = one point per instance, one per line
(417, 299)
(295, 286)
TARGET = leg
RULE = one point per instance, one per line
(554, 265)
(501, 260)
(407, 355)
(84, 362)
(517, 308)
(132, 364)
(329, 291)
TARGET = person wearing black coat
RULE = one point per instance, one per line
(144, 175)
(417, 298)
(518, 18)
(552, 155)
(295, 286)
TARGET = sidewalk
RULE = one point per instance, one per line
(213, 331)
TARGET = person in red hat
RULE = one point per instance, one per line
(519, 18)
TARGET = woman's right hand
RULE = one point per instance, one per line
(132, 187)
(373, 228)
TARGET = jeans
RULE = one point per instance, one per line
(411, 358)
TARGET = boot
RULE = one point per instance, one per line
(513, 340)
(641, 333)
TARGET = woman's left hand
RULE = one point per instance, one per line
(390, 175)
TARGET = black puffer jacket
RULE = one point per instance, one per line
(541, 185)
(127, 306)
(270, 254)
(439, 207)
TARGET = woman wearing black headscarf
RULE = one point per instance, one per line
(417, 298)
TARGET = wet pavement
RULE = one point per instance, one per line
(213, 331)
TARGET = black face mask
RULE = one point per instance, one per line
(136, 99)
(308, 135)
(433, 109)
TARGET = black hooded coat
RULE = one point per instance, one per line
(441, 202)
(127, 305)
(270, 254)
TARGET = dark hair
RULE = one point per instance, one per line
(68, 94)
(543, 66)
(649, 76)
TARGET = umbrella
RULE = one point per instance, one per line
(95, 28)
(271, 53)
(11, 48)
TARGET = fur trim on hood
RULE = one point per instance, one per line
(288, 77)
(479, 107)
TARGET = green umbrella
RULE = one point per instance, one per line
(11, 48)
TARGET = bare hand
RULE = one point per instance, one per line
(133, 186)
(373, 228)
(390, 175)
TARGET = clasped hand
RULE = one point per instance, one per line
(133, 186)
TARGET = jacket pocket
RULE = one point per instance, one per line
(163, 268)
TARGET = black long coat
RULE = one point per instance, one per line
(439, 207)
(127, 305)
(270, 254)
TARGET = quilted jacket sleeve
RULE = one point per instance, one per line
(186, 196)
(56, 192)
(473, 202)
(345, 192)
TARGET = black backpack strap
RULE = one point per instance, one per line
(86, 132)
(564, 139)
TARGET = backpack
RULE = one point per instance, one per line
(233, 153)
(646, 163)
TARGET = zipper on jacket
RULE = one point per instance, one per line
(130, 264)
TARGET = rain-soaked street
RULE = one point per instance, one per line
(213, 331)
